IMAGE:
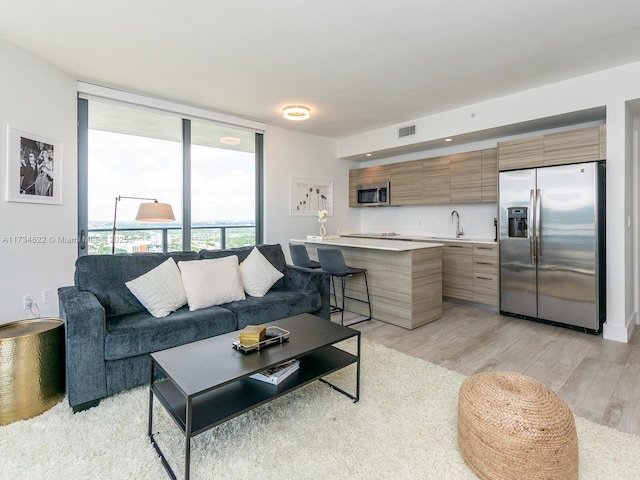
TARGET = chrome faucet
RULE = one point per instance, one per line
(459, 231)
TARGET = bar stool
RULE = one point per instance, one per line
(300, 256)
(332, 262)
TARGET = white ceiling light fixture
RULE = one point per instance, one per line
(230, 140)
(296, 113)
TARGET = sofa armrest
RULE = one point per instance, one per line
(302, 278)
(85, 331)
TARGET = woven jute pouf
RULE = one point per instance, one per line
(513, 427)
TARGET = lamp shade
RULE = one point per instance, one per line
(155, 212)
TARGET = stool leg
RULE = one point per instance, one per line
(334, 307)
(366, 283)
(344, 285)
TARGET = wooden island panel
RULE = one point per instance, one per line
(405, 286)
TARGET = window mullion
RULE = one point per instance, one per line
(186, 184)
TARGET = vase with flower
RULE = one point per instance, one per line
(322, 218)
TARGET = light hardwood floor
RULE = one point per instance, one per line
(599, 379)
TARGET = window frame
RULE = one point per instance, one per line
(83, 175)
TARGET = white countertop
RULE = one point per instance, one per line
(422, 238)
(371, 243)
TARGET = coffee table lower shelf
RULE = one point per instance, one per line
(222, 403)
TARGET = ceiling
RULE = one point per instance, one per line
(358, 64)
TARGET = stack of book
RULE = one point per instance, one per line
(277, 374)
(252, 334)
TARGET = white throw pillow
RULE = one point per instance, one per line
(258, 275)
(160, 289)
(211, 281)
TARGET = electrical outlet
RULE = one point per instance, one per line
(46, 296)
(27, 301)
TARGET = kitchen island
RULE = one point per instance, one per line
(405, 277)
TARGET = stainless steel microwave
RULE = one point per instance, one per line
(373, 195)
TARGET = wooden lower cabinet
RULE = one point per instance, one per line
(485, 274)
(470, 272)
(457, 271)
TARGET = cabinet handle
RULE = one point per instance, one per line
(484, 263)
(455, 246)
(484, 278)
(484, 248)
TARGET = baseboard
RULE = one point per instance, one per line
(483, 306)
(620, 333)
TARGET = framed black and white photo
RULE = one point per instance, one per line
(310, 196)
(33, 168)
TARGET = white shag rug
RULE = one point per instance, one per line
(403, 427)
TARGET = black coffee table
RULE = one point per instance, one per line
(206, 382)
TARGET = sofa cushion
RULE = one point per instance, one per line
(160, 290)
(211, 282)
(105, 277)
(258, 275)
(272, 252)
(276, 304)
(140, 333)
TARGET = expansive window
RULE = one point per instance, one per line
(223, 181)
(208, 173)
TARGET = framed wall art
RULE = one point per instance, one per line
(33, 168)
(310, 196)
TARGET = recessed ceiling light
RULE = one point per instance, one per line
(448, 139)
(296, 112)
(368, 154)
(230, 140)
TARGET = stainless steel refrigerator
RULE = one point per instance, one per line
(552, 245)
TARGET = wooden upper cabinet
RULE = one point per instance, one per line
(562, 148)
(353, 182)
(465, 181)
(574, 146)
(490, 175)
(365, 176)
(406, 183)
(521, 153)
(435, 180)
(379, 173)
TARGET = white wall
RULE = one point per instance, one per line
(36, 98)
(289, 154)
(610, 88)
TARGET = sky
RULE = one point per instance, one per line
(222, 183)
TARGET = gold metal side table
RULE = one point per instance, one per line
(32, 357)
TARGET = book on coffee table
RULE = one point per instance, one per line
(277, 374)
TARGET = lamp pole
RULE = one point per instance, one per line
(115, 216)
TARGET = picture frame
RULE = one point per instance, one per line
(34, 168)
(308, 196)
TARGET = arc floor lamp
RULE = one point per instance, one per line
(152, 211)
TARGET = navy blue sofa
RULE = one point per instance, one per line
(109, 334)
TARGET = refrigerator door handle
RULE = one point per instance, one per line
(538, 227)
(532, 220)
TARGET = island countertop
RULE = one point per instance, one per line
(371, 243)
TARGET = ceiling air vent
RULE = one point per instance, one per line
(406, 131)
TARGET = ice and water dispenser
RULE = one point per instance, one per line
(517, 220)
